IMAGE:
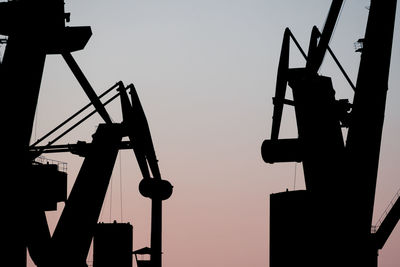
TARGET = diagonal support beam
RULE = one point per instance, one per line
(388, 224)
(86, 87)
(75, 229)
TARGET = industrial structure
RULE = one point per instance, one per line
(329, 223)
(340, 171)
(35, 29)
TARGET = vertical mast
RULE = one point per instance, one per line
(365, 131)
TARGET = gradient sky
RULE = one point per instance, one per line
(205, 72)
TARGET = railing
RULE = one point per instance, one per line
(62, 166)
(375, 227)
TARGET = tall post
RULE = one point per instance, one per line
(366, 124)
(156, 232)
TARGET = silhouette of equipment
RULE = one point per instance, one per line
(329, 223)
(140, 261)
(112, 245)
(35, 29)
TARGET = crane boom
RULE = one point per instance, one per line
(315, 59)
(155, 188)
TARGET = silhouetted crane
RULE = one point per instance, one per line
(329, 223)
(36, 29)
